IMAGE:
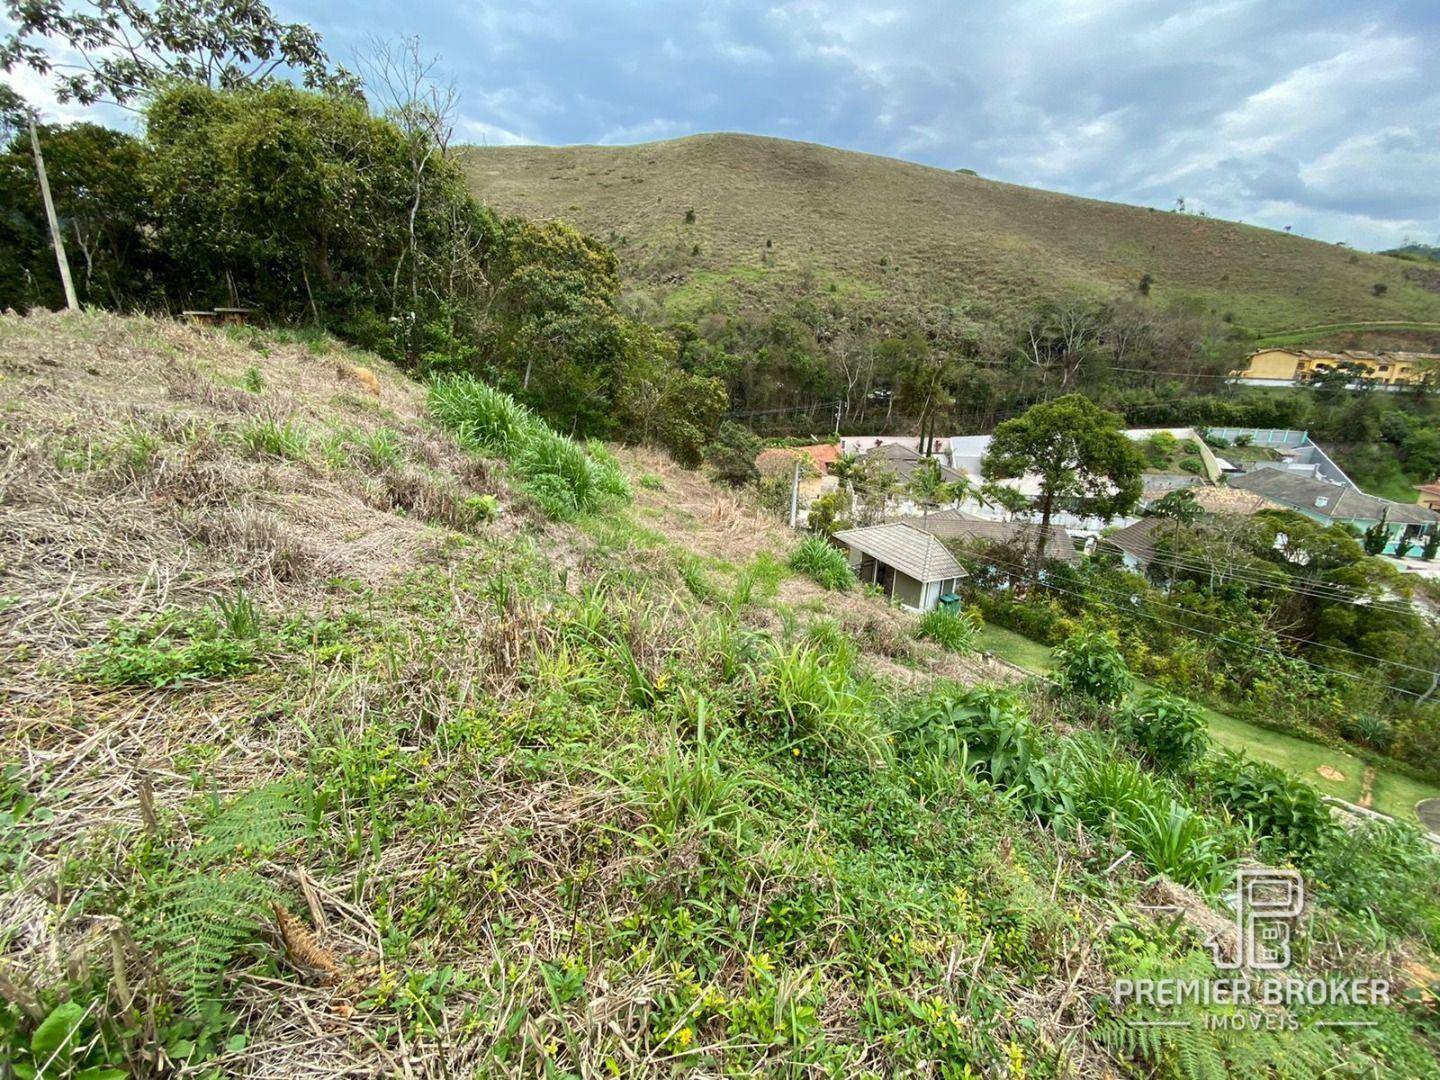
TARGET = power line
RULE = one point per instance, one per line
(1253, 577)
(788, 409)
(1220, 637)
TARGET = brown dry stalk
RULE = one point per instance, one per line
(302, 948)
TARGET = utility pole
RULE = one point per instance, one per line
(838, 406)
(55, 237)
(795, 494)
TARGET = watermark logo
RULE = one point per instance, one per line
(1254, 990)
(1266, 902)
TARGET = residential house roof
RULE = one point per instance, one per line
(1229, 500)
(953, 525)
(1330, 500)
(1429, 489)
(907, 549)
(1136, 539)
(821, 455)
(905, 461)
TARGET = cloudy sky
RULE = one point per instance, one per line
(1319, 114)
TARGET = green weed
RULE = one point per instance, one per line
(824, 563)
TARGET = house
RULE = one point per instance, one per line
(1302, 365)
(1135, 542)
(782, 458)
(910, 565)
(1330, 503)
(1429, 496)
(955, 525)
(1232, 500)
(904, 461)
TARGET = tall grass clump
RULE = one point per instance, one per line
(812, 697)
(954, 630)
(824, 563)
(564, 478)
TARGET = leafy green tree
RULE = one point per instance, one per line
(128, 50)
(1079, 453)
(97, 178)
(732, 455)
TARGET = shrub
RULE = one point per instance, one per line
(1109, 793)
(823, 562)
(954, 630)
(1192, 465)
(988, 732)
(732, 455)
(1386, 875)
(1088, 664)
(1168, 729)
(1287, 812)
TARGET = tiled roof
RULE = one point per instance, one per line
(1335, 501)
(1228, 500)
(905, 461)
(1137, 539)
(907, 549)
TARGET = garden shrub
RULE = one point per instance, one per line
(1168, 729)
(1088, 664)
(953, 629)
(989, 733)
(1284, 810)
(566, 479)
(824, 563)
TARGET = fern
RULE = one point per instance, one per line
(255, 823)
(201, 920)
(1198, 1052)
(205, 908)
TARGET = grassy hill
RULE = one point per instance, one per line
(771, 215)
(339, 743)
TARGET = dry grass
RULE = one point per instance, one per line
(904, 235)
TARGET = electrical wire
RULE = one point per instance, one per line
(1221, 637)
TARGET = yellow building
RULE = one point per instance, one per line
(1302, 365)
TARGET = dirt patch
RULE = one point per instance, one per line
(1329, 772)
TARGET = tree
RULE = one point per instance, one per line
(732, 455)
(129, 50)
(1079, 453)
(1180, 507)
(1376, 537)
(1004, 496)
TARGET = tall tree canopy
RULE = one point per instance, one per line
(1080, 454)
(129, 49)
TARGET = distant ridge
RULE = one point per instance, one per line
(771, 215)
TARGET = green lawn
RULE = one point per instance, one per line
(1393, 793)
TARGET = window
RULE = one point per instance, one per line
(1321, 502)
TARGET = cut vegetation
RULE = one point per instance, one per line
(318, 771)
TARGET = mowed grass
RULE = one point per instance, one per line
(1391, 792)
(772, 217)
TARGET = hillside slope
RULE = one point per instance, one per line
(330, 754)
(771, 214)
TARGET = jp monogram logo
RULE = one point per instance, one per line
(1265, 902)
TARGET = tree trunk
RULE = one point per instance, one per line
(1047, 503)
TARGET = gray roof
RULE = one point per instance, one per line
(907, 549)
(905, 461)
(954, 525)
(1136, 539)
(1340, 503)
